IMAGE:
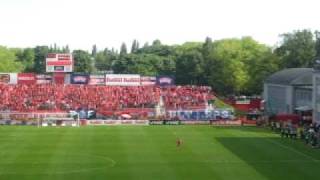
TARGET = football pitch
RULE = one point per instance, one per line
(150, 152)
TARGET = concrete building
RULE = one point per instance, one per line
(288, 91)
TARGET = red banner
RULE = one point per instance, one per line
(26, 78)
(59, 63)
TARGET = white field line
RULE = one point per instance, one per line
(260, 162)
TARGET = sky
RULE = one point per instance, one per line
(108, 23)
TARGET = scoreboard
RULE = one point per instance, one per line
(59, 62)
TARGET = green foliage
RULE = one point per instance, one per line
(237, 66)
(8, 61)
(298, 49)
(26, 57)
(40, 53)
(317, 45)
(150, 60)
(94, 50)
(83, 61)
(104, 59)
(220, 104)
(135, 46)
(229, 66)
(123, 50)
(190, 66)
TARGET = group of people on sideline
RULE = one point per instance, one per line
(309, 133)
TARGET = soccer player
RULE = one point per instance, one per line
(179, 142)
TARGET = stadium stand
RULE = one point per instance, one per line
(60, 97)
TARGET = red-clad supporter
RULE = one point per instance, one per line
(56, 97)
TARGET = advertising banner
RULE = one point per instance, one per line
(43, 79)
(122, 80)
(26, 78)
(223, 114)
(59, 62)
(117, 122)
(103, 122)
(171, 122)
(67, 79)
(8, 78)
(191, 114)
(226, 123)
(247, 122)
(97, 80)
(195, 122)
(148, 81)
(80, 78)
(156, 122)
(165, 80)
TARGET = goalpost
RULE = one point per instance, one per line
(54, 121)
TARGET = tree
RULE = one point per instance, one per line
(190, 68)
(40, 53)
(265, 64)
(94, 50)
(317, 45)
(123, 50)
(207, 47)
(82, 61)
(297, 49)
(67, 49)
(103, 60)
(26, 57)
(145, 45)
(234, 64)
(134, 46)
(156, 42)
(8, 61)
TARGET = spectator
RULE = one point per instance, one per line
(53, 97)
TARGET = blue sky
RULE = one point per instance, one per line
(108, 23)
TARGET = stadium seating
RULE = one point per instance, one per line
(55, 97)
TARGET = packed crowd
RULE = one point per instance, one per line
(309, 133)
(25, 98)
(184, 97)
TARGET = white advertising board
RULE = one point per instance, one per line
(117, 122)
(9, 78)
(122, 80)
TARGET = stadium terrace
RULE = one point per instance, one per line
(141, 102)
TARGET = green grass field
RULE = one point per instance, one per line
(150, 152)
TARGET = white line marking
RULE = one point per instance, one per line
(261, 162)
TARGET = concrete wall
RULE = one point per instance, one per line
(279, 98)
(316, 97)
